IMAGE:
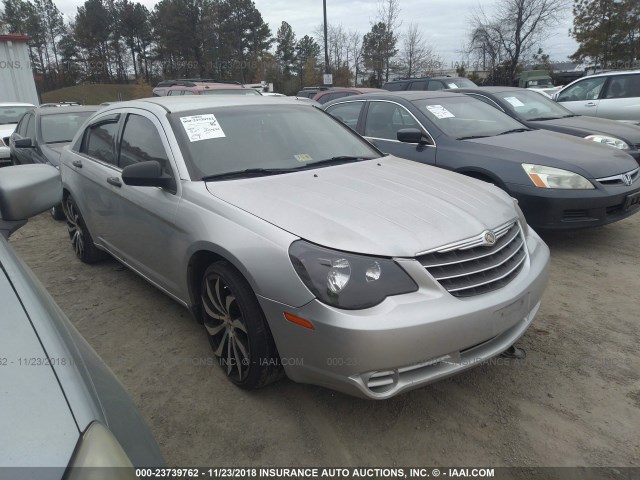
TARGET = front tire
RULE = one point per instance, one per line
(237, 329)
(79, 235)
(57, 212)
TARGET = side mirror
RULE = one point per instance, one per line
(147, 174)
(25, 191)
(411, 135)
(24, 143)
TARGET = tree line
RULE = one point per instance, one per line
(120, 41)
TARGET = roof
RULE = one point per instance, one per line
(16, 104)
(75, 109)
(491, 89)
(614, 72)
(407, 95)
(186, 103)
(14, 37)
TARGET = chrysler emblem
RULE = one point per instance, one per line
(489, 238)
(626, 178)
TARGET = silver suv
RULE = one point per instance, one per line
(299, 245)
(614, 95)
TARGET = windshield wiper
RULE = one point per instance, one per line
(247, 173)
(336, 161)
(540, 119)
(471, 137)
(515, 130)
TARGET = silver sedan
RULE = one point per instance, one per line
(301, 247)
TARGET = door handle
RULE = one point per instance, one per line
(115, 181)
(77, 163)
(590, 104)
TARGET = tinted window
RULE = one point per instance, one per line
(588, 89)
(435, 85)
(417, 86)
(99, 140)
(61, 127)
(385, 119)
(229, 139)
(347, 113)
(464, 116)
(141, 142)
(394, 87)
(623, 86)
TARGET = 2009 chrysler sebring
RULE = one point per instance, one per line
(300, 246)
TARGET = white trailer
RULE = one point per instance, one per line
(16, 77)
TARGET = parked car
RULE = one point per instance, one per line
(10, 114)
(209, 88)
(428, 83)
(162, 88)
(535, 111)
(382, 264)
(310, 92)
(62, 408)
(335, 93)
(560, 181)
(614, 95)
(42, 134)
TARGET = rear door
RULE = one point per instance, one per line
(383, 119)
(621, 98)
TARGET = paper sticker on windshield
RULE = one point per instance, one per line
(452, 85)
(440, 112)
(303, 157)
(202, 127)
(514, 101)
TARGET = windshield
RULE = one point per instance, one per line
(464, 117)
(61, 127)
(531, 105)
(541, 82)
(230, 91)
(215, 141)
(12, 114)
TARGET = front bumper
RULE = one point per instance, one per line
(408, 340)
(556, 209)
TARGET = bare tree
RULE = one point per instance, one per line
(513, 30)
(415, 53)
(389, 14)
(355, 46)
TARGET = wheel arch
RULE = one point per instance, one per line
(484, 175)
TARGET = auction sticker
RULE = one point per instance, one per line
(202, 127)
(514, 101)
(440, 112)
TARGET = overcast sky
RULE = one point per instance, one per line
(444, 22)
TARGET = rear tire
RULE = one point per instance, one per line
(237, 328)
(79, 235)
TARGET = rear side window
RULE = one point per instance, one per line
(393, 87)
(99, 141)
(188, 92)
(417, 86)
(141, 142)
(347, 113)
(623, 86)
(436, 85)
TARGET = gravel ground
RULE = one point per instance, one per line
(575, 400)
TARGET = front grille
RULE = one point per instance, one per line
(470, 270)
(631, 176)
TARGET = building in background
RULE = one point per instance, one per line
(16, 77)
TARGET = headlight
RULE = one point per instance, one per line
(347, 280)
(549, 177)
(99, 448)
(611, 141)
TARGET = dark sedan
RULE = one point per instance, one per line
(560, 181)
(42, 134)
(538, 111)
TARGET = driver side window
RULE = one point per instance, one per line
(588, 89)
(385, 119)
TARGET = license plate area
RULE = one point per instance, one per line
(632, 201)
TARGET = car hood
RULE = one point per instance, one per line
(7, 130)
(583, 125)
(38, 428)
(388, 206)
(558, 150)
(52, 152)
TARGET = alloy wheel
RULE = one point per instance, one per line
(73, 226)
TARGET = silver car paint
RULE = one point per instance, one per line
(247, 223)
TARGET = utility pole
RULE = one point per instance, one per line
(326, 45)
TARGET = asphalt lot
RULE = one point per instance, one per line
(575, 400)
